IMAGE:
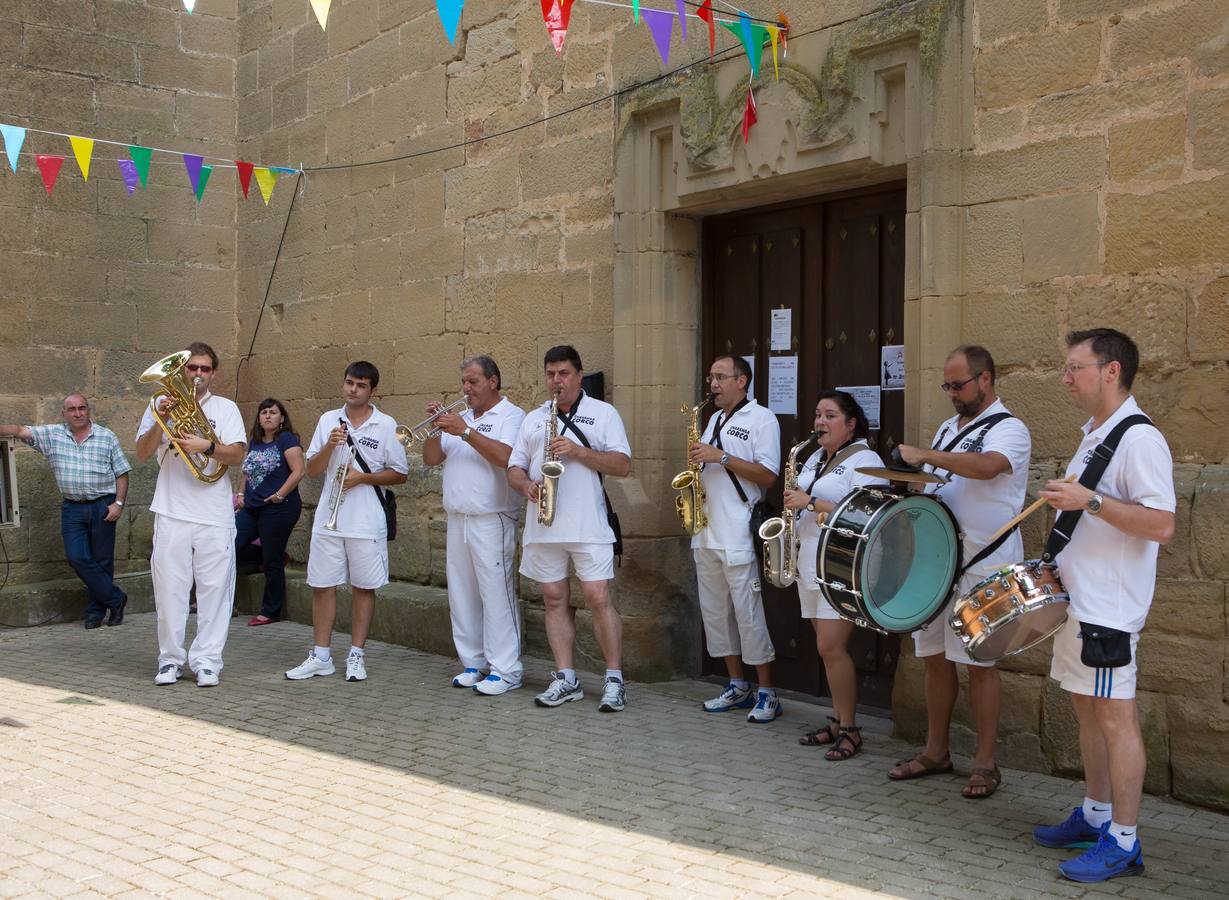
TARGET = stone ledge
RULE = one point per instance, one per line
(63, 600)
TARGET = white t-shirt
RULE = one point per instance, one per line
(832, 488)
(580, 513)
(983, 506)
(752, 434)
(360, 515)
(472, 485)
(1110, 574)
(178, 495)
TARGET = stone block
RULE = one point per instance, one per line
(182, 71)
(992, 245)
(1040, 399)
(470, 189)
(112, 325)
(376, 63)
(1148, 149)
(1209, 318)
(473, 93)
(1209, 112)
(326, 86)
(378, 263)
(1210, 516)
(1070, 164)
(1199, 746)
(1150, 95)
(940, 250)
(1181, 405)
(997, 126)
(421, 43)
(1081, 10)
(572, 167)
(1176, 559)
(1191, 666)
(524, 301)
(430, 365)
(1062, 236)
(470, 303)
(433, 253)
(14, 324)
(1037, 65)
(1034, 337)
(78, 52)
(136, 109)
(1185, 608)
(289, 104)
(997, 19)
(352, 24)
(207, 35)
(1176, 32)
(1153, 313)
(416, 307)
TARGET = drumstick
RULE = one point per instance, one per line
(1024, 514)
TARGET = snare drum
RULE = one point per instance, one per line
(1015, 608)
(888, 559)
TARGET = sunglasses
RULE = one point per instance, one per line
(193, 367)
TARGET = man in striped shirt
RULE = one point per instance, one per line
(92, 474)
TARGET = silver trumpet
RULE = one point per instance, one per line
(426, 429)
(338, 481)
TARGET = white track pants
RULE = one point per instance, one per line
(486, 621)
(185, 552)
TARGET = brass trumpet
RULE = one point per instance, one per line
(425, 430)
(184, 416)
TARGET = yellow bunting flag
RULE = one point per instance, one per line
(83, 149)
(321, 9)
(774, 32)
(266, 179)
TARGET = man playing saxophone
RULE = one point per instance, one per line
(741, 454)
(590, 442)
(362, 441)
(194, 523)
(474, 447)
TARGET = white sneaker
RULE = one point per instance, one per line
(168, 674)
(356, 668)
(206, 678)
(493, 685)
(559, 692)
(467, 679)
(732, 697)
(614, 696)
(767, 708)
(311, 666)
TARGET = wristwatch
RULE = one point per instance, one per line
(811, 505)
(119, 503)
(725, 459)
(465, 434)
(1094, 504)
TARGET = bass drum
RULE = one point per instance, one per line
(888, 559)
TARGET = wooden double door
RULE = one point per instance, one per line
(836, 264)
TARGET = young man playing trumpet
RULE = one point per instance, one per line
(354, 547)
(589, 442)
(474, 445)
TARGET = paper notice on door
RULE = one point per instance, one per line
(868, 398)
(782, 329)
(751, 362)
(892, 365)
(783, 385)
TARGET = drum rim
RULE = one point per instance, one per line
(821, 568)
(972, 643)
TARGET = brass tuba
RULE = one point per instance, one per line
(780, 534)
(184, 416)
(552, 468)
(689, 504)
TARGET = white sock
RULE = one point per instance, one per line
(768, 691)
(569, 675)
(1097, 812)
(356, 651)
(740, 683)
(1124, 835)
(614, 674)
(321, 653)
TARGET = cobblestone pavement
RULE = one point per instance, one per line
(403, 786)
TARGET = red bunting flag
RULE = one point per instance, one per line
(705, 12)
(245, 175)
(50, 167)
(749, 116)
(556, 13)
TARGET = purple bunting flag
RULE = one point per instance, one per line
(193, 163)
(682, 5)
(660, 23)
(128, 169)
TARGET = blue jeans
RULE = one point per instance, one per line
(89, 545)
(272, 523)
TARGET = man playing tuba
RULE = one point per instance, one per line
(194, 522)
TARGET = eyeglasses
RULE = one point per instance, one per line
(957, 386)
(718, 377)
(1076, 369)
(193, 367)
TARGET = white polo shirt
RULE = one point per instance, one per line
(472, 486)
(360, 515)
(178, 495)
(983, 506)
(752, 434)
(580, 514)
(1110, 574)
(836, 483)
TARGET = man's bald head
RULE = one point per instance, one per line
(77, 412)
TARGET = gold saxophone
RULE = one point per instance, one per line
(184, 416)
(780, 535)
(552, 468)
(689, 504)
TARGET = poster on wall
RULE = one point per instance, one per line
(782, 333)
(783, 385)
(867, 396)
(892, 366)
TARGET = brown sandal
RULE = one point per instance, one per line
(821, 737)
(843, 747)
(985, 781)
(929, 767)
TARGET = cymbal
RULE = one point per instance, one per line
(909, 474)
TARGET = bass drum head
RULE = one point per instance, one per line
(909, 563)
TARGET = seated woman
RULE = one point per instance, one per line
(823, 481)
(271, 505)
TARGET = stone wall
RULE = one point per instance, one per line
(97, 285)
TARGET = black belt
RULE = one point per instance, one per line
(95, 500)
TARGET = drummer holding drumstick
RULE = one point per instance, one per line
(985, 451)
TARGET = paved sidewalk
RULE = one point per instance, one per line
(403, 786)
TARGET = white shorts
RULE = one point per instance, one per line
(547, 563)
(359, 562)
(938, 637)
(810, 596)
(731, 607)
(1076, 678)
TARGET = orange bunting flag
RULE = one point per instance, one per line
(749, 116)
(245, 175)
(83, 150)
(705, 12)
(266, 179)
(50, 167)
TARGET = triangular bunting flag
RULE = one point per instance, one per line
(705, 12)
(749, 116)
(129, 171)
(245, 175)
(321, 9)
(50, 167)
(140, 157)
(83, 149)
(189, 5)
(635, 10)
(556, 18)
(266, 179)
(192, 163)
(450, 17)
(773, 33)
(661, 24)
(202, 179)
(14, 137)
(682, 7)
(752, 38)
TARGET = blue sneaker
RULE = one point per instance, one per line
(731, 698)
(1104, 861)
(767, 708)
(1075, 833)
